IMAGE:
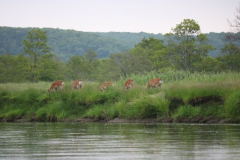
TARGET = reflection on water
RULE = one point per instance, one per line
(118, 141)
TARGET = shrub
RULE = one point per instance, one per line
(41, 114)
(56, 110)
(232, 106)
(187, 111)
(152, 106)
(13, 114)
(96, 111)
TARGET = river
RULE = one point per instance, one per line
(109, 141)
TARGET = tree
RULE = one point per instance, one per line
(231, 51)
(35, 46)
(235, 24)
(77, 68)
(187, 44)
(106, 71)
(156, 53)
(234, 35)
(207, 64)
(230, 58)
(123, 61)
(140, 60)
(90, 55)
(13, 68)
(92, 63)
(47, 68)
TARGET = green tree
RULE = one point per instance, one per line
(106, 71)
(7, 68)
(156, 53)
(47, 68)
(140, 60)
(231, 51)
(230, 58)
(13, 68)
(187, 44)
(151, 43)
(77, 68)
(35, 46)
(207, 64)
(90, 55)
(124, 61)
(92, 63)
(22, 68)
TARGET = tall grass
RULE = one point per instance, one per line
(187, 111)
(232, 105)
(199, 93)
(172, 76)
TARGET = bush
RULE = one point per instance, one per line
(96, 112)
(187, 111)
(232, 106)
(56, 111)
(41, 114)
(152, 106)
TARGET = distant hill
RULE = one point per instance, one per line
(66, 43)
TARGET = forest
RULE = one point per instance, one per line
(34, 55)
(66, 43)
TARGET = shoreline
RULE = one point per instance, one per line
(195, 120)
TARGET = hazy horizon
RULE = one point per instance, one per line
(134, 16)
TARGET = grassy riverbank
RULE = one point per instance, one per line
(183, 97)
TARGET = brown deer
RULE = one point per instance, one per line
(56, 85)
(103, 86)
(109, 83)
(77, 84)
(157, 82)
(128, 84)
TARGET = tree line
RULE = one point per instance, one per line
(184, 48)
(66, 43)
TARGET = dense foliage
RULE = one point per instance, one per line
(185, 48)
(66, 43)
(149, 55)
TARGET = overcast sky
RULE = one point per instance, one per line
(151, 16)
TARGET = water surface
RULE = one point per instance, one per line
(118, 141)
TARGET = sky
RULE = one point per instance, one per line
(151, 16)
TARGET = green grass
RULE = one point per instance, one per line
(187, 111)
(196, 94)
(232, 105)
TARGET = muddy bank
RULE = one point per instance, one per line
(197, 119)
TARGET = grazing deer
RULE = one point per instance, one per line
(103, 86)
(157, 82)
(128, 84)
(56, 85)
(109, 83)
(77, 84)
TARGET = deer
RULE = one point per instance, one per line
(77, 84)
(56, 85)
(109, 83)
(103, 86)
(157, 82)
(128, 84)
